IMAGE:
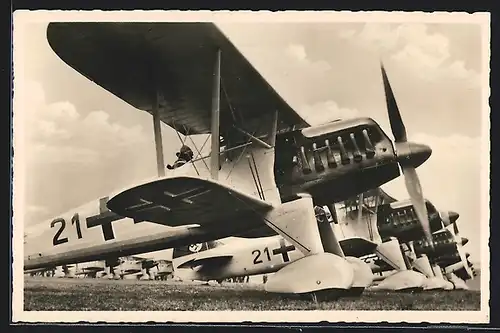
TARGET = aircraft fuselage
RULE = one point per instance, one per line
(254, 257)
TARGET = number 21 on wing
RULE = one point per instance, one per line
(75, 220)
(257, 254)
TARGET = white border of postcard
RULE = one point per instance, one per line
(23, 17)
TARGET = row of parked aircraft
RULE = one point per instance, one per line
(277, 183)
(123, 268)
(433, 269)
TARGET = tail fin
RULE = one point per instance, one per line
(194, 248)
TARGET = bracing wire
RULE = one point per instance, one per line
(244, 149)
(227, 99)
(253, 176)
(241, 155)
(238, 159)
(258, 177)
(199, 156)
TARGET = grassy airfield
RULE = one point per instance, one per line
(103, 295)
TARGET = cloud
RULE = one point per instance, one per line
(53, 154)
(380, 35)
(412, 46)
(49, 129)
(281, 61)
(326, 111)
(297, 52)
(60, 111)
(87, 154)
(57, 133)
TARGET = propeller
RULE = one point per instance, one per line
(409, 156)
(449, 217)
(471, 265)
(461, 241)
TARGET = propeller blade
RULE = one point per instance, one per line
(415, 191)
(449, 217)
(445, 217)
(463, 259)
(455, 228)
(397, 126)
(453, 216)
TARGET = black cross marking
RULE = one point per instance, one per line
(104, 219)
(167, 201)
(283, 250)
(184, 197)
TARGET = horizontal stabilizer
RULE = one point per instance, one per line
(185, 200)
(357, 247)
(208, 261)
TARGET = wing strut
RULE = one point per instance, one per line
(160, 164)
(215, 149)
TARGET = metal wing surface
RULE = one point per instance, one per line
(187, 200)
(134, 61)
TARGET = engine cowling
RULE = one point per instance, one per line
(443, 243)
(333, 161)
(398, 219)
(445, 253)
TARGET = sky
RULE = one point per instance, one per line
(82, 142)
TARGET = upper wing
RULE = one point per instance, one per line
(135, 60)
(186, 200)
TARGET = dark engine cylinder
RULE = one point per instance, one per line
(444, 243)
(399, 220)
(454, 258)
(448, 259)
(463, 274)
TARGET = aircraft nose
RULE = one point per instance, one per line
(412, 153)
(419, 153)
(453, 216)
(464, 241)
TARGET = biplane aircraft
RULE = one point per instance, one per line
(138, 265)
(92, 269)
(419, 270)
(219, 261)
(267, 168)
(379, 218)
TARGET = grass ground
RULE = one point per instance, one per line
(122, 295)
